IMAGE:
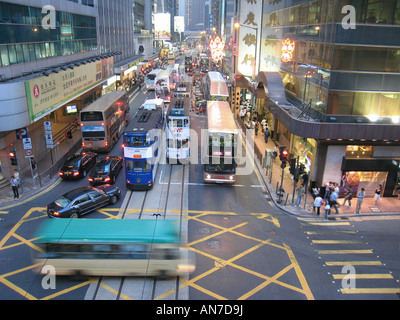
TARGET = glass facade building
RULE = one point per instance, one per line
(343, 72)
(23, 39)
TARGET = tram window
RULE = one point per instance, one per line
(185, 122)
(137, 166)
(185, 143)
(171, 143)
(146, 166)
(129, 165)
(136, 142)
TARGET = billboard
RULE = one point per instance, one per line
(46, 94)
(179, 24)
(162, 26)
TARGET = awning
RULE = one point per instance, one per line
(273, 86)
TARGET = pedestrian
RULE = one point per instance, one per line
(315, 191)
(266, 135)
(317, 203)
(264, 124)
(327, 192)
(300, 193)
(16, 176)
(327, 209)
(348, 196)
(360, 200)
(377, 196)
(14, 187)
(275, 154)
(333, 201)
(257, 125)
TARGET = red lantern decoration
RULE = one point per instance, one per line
(217, 48)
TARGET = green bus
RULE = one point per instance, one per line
(99, 247)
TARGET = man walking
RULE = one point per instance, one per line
(300, 193)
(360, 200)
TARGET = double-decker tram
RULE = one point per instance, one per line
(178, 125)
(104, 121)
(220, 144)
(114, 247)
(142, 146)
(215, 87)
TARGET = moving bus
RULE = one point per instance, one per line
(220, 144)
(178, 125)
(164, 85)
(151, 79)
(104, 121)
(216, 87)
(189, 65)
(142, 146)
(114, 247)
(171, 57)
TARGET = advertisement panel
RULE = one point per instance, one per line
(46, 94)
(179, 24)
(249, 37)
(162, 26)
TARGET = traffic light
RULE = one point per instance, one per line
(283, 153)
(13, 158)
(292, 168)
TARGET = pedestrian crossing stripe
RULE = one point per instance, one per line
(335, 242)
(353, 263)
(371, 291)
(364, 276)
(345, 251)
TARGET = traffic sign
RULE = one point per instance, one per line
(21, 133)
(47, 126)
(27, 143)
(29, 153)
(49, 141)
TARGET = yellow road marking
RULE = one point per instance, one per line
(364, 276)
(345, 251)
(353, 263)
(371, 291)
(335, 241)
(328, 224)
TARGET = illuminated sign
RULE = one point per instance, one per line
(217, 48)
(287, 50)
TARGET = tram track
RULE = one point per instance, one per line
(141, 205)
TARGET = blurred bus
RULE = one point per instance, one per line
(114, 247)
(104, 121)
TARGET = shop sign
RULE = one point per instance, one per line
(287, 50)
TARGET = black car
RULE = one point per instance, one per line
(78, 165)
(106, 170)
(82, 200)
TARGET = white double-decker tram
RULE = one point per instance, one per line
(220, 144)
(178, 125)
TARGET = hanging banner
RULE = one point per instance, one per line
(249, 37)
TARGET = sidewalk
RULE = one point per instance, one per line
(47, 170)
(386, 206)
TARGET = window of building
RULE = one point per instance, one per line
(359, 151)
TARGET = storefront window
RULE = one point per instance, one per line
(359, 151)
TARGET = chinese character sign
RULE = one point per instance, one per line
(249, 34)
(217, 48)
(287, 50)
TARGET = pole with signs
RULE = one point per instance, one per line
(48, 134)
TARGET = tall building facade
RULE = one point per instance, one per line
(336, 101)
(57, 59)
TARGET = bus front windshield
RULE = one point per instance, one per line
(220, 165)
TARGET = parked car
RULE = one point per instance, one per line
(83, 200)
(78, 165)
(106, 170)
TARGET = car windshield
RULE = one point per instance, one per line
(102, 167)
(62, 201)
